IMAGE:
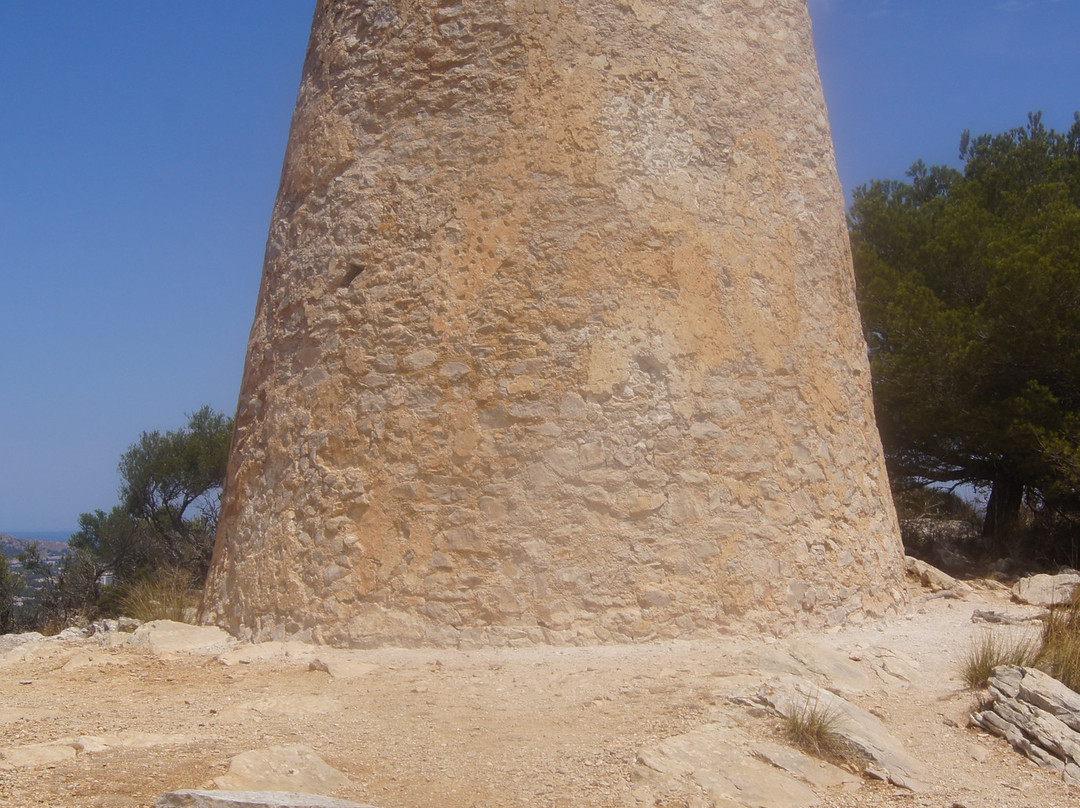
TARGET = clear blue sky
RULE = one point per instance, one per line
(140, 149)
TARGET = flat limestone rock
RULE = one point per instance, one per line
(713, 762)
(341, 664)
(817, 773)
(13, 655)
(1046, 590)
(816, 660)
(281, 768)
(168, 637)
(200, 798)
(299, 705)
(64, 749)
(864, 731)
(290, 652)
(35, 755)
(126, 740)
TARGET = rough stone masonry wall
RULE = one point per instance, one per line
(556, 339)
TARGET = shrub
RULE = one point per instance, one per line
(10, 586)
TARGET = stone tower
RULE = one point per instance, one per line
(557, 338)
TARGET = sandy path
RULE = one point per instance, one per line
(537, 726)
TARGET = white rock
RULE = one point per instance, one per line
(1046, 590)
(933, 578)
(815, 772)
(12, 641)
(167, 637)
(36, 754)
(813, 659)
(281, 768)
(73, 633)
(200, 798)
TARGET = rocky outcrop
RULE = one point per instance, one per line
(934, 579)
(1038, 715)
(10, 642)
(556, 339)
(717, 765)
(864, 732)
(57, 751)
(1046, 590)
(725, 762)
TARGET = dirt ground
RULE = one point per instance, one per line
(538, 726)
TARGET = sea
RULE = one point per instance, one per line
(41, 535)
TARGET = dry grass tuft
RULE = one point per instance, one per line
(815, 728)
(988, 650)
(168, 595)
(1059, 649)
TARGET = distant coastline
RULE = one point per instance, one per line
(41, 535)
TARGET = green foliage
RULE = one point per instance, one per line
(969, 290)
(145, 554)
(988, 650)
(118, 542)
(10, 586)
(167, 476)
(65, 592)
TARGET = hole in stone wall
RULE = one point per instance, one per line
(651, 366)
(351, 274)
